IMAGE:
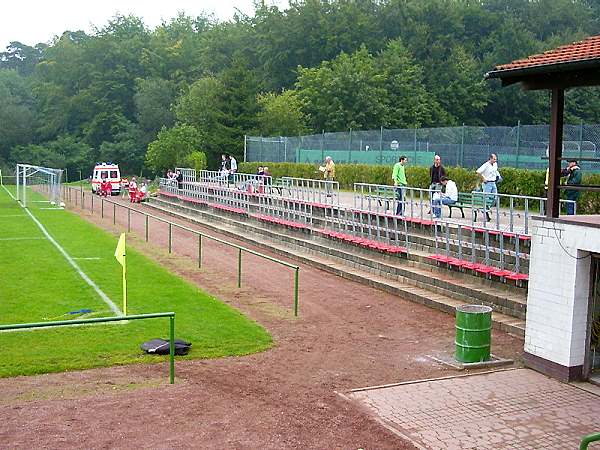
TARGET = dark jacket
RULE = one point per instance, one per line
(436, 174)
(574, 177)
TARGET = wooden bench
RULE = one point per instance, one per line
(476, 200)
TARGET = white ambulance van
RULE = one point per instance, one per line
(107, 171)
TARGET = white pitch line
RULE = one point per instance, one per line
(9, 193)
(22, 238)
(13, 215)
(88, 259)
(81, 273)
(57, 208)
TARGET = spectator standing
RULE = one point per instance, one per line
(329, 174)
(574, 178)
(399, 178)
(231, 167)
(179, 178)
(489, 175)
(436, 173)
(447, 198)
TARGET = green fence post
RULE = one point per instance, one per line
(415, 148)
(92, 203)
(381, 146)
(170, 234)
(129, 220)
(462, 145)
(322, 145)
(146, 227)
(240, 268)
(102, 208)
(350, 148)
(518, 144)
(296, 291)
(172, 349)
(114, 213)
(580, 140)
(199, 251)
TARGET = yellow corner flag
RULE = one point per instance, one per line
(121, 255)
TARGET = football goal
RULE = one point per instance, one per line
(44, 180)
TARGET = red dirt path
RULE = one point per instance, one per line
(348, 335)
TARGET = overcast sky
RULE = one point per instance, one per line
(34, 21)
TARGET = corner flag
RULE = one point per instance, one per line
(121, 256)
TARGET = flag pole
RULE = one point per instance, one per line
(125, 283)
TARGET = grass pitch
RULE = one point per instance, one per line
(38, 284)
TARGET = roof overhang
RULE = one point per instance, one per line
(547, 76)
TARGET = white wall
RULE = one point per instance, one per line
(557, 301)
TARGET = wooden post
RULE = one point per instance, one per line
(555, 151)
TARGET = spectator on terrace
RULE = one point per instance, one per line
(260, 172)
(267, 175)
(328, 174)
(399, 178)
(179, 178)
(489, 175)
(436, 173)
(447, 198)
(574, 178)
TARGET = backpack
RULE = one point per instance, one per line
(161, 347)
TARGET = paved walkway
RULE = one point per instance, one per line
(513, 409)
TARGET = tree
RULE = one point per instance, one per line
(153, 100)
(16, 112)
(281, 115)
(172, 147)
(409, 103)
(344, 93)
(128, 148)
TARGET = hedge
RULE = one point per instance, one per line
(515, 181)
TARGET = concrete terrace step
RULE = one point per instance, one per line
(418, 270)
(374, 273)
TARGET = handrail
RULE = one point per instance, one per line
(64, 323)
(587, 440)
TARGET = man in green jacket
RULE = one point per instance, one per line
(399, 178)
(574, 177)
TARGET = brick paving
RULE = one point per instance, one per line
(513, 409)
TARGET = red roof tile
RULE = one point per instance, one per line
(588, 49)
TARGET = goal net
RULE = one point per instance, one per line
(43, 180)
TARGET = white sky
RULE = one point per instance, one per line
(34, 21)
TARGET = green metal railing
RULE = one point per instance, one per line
(201, 237)
(587, 440)
(64, 323)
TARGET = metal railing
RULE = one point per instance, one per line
(189, 175)
(309, 190)
(80, 199)
(587, 440)
(64, 323)
(501, 212)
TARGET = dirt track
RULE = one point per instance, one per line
(348, 335)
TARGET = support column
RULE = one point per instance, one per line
(555, 151)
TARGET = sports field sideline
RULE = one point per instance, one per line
(60, 265)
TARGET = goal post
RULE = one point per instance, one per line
(44, 180)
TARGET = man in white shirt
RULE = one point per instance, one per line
(489, 174)
(449, 197)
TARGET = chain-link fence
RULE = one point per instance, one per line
(522, 146)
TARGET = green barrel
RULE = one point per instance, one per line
(473, 333)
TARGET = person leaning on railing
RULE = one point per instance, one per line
(574, 178)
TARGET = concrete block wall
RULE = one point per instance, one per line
(557, 302)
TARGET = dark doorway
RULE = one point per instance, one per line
(593, 360)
